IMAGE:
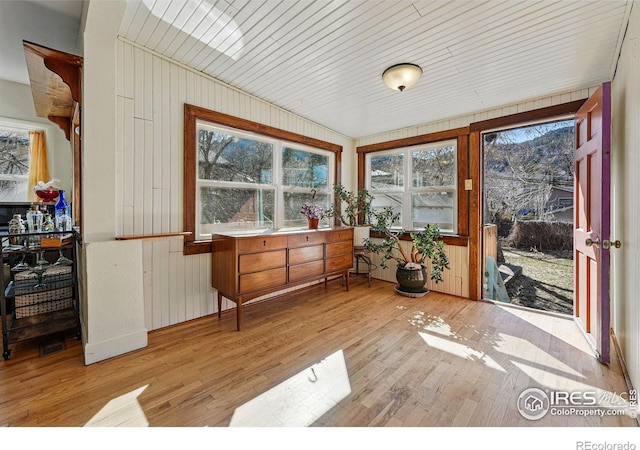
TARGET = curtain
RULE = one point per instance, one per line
(38, 164)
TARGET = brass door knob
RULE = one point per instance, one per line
(591, 242)
(608, 244)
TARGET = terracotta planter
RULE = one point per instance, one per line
(313, 224)
(412, 280)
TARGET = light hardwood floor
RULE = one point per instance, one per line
(432, 361)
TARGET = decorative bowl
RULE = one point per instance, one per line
(47, 195)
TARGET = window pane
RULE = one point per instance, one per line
(387, 172)
(13, 191)
(293, 201)
(394, 201)
(304, 169)
(434, 167)
(433, 207)
(225, 209)
(14, 165)
(224, 157)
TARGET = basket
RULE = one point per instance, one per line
(54, 277)
(43, 302)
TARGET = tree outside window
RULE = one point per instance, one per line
(14, 165)
(419, 183)
(247, 182)
(523, 167)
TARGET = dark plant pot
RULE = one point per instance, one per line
(411, 280)
(313, 224)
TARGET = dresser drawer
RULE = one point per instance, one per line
(302, 271)
(257, 281)
(255, 262)
(261, 243)
(339, 263)
(340, 235)
(303, 255)
(339, 248)
(304, 239)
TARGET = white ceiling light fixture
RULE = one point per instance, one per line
(402, 76)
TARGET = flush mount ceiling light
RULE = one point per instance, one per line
(402, 76)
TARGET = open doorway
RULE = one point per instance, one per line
(528, 182)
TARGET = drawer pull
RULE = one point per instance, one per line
(264, 242)
(307, 238)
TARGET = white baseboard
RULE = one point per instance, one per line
(98, 351)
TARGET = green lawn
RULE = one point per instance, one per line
(546, 280)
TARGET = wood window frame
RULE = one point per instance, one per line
(475, 169)
(461, 135)
(192, 113)
(469, 168)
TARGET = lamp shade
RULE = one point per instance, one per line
(402, 76)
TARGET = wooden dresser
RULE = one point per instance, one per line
(248, 266)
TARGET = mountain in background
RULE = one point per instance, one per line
(545, 156)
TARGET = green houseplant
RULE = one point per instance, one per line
(426, 245)
(353, 209)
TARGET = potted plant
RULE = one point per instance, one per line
(411, 270)
(353, 210)
(312, 212)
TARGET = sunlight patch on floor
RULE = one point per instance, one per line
(522, 349)
(123, 411)
(459, 350)
(562, 328)
(300, 400)
(435, 324)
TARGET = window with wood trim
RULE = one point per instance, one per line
(422, 178)
(418, 182)
(14, 165)
(241, 176)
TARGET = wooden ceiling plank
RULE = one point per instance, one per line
(229, 27)
(537, 29)
(335, 50)
(264, 48)
(313, 27)
(233, 40)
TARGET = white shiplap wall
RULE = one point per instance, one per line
(625, 164)
(151, 93)
(464, 121)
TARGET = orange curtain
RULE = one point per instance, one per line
(38, 164)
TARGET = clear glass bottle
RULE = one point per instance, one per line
(34, 224)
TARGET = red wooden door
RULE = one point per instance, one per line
(591, 221)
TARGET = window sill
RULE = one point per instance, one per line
(449, 239)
